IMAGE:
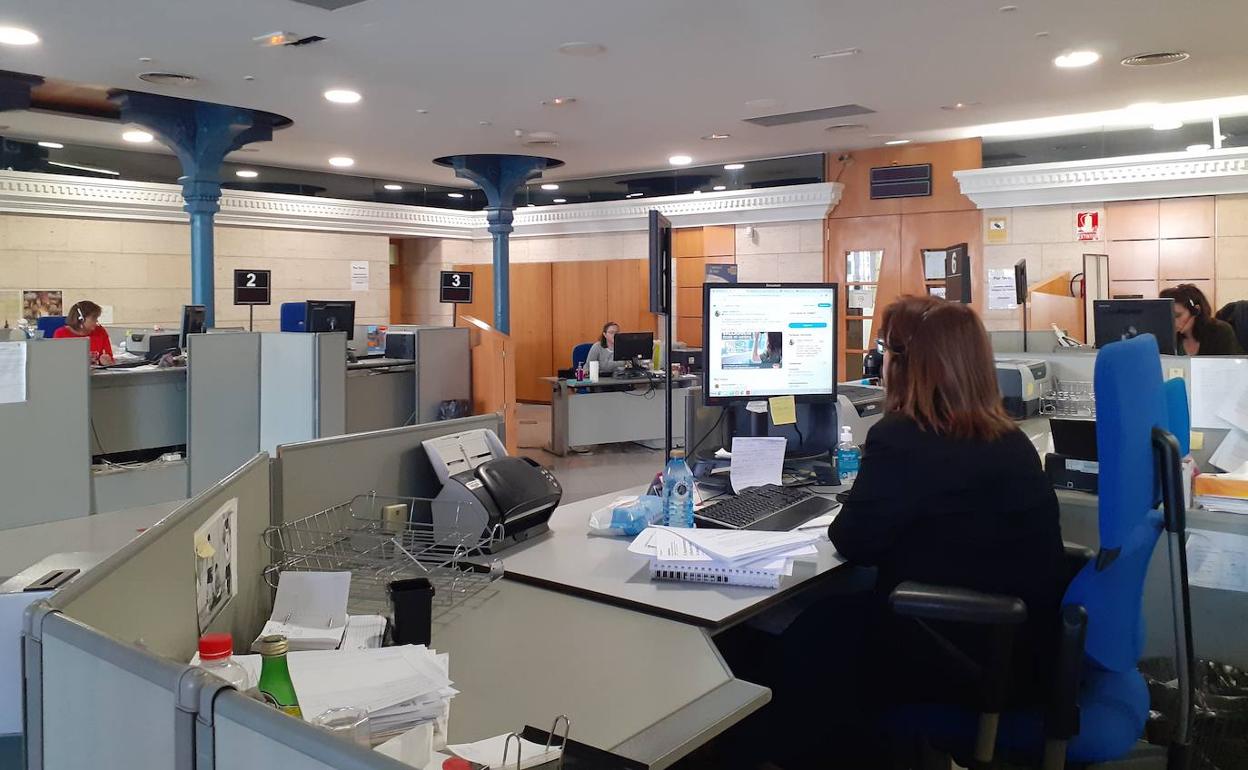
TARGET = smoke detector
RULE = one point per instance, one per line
(172, 79)
(1156, 59)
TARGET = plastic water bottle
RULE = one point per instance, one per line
(215, 651)
(848, 456)
(678, 492)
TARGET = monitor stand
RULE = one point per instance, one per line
(633, 370)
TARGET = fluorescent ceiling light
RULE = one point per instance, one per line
(454, 195)
(1075, 59)
(1136, 115)
(561, 200)
(393, 187)
(52, 145)
(898, 141)
(1199, 147)
(680, 160)
(634, 195)
(246, 173)
(76, 167)
(550, 187)
(341, 161)
(837, 53)
(17, 36)
(734, 167)
(342, 96)
(719, 187)
(1167, 124)
(137, 137)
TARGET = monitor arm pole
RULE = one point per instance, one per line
(667, 379)
(1024, 324)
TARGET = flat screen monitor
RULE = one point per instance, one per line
(1120, 319)
(192, 322)
(660, 263)
(332, 316)
(630, 346)
(769, 339)
(1020, 281)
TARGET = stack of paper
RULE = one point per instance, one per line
(732, 557)
(1220, 400)
(310, 610)
(1222, 491)
(491, 752)
(364, 632)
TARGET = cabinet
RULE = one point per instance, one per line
(1186, 259)
(1132, 260)
(1186, 217)
(1144, 289)
(1131, 220)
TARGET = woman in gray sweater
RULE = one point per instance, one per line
(603, 351)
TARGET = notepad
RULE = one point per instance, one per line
(310, 610)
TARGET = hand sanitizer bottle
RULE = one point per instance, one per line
(848, 456)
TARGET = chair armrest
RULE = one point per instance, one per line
(959, 605)
(1062, 721)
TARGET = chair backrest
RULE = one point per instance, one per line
(580, 353)
(1236, 314)
(48, 324)
(1130, 402)
(1178, 415)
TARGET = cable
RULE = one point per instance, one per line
(801, 442)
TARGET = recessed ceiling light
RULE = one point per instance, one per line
(342, 96)
(1042, 34)
(17, 36)
(1156, 59)
(249, 78)
(1073, 59)
(697, 192)
(247, 173)
(734, 167)
(897, 141)
(634, 195)
(680, 160)
(582, 49)
(1008, 8)
(137, 137)
(561, 200)
(837, 54)
(392, 187)
(959, 106)
(560, 101)
(711, 137)
(549, 186)
(145, 60)
(52, 145)
(1167, 124)
(341, 161)
(484, 123)
(454, 195)
(275, 39)
(422, 111)
(1199, 148)
(719, 187)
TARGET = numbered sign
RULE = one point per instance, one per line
(456, 287)
(251, 287)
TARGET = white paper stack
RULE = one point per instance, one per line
(364, 632)
(725, 556)
(310, 610)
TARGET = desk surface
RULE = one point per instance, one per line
(377, 363)
(682, 381)
(570, 560)
(23, 546)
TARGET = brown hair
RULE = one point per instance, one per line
(1192, 298)
(80, 312)
(602, 338)
(940, 373)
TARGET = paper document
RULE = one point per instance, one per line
(1232, 452)
(1217, 560)
(12, 372)
(756, 461)
(491, 752)
(310, 609)
(1215, 380)
(1235, 406)
(364, 632)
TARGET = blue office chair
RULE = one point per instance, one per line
(1099, 703)
(48, 324)
(580, 353)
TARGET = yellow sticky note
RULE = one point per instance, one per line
(1197, 441)
(783, 410)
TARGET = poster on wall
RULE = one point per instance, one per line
(721, 274)
(1001, 289)
(36, 304)
(216, 543)
(359, 276)
(1088, 225)
(998, 230)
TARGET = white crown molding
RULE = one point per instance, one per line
(1167, 175)
(66, 196)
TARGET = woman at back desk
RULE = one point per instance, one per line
(603, 350)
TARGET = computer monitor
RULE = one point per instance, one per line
(1120, 319)
(192, 322)
(332, 316)
(632, 347)
(769, 339)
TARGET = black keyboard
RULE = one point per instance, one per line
(767, 507)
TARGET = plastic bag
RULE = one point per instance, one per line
(626, 516)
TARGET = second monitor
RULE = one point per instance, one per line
(631, 349)
(1120, 319)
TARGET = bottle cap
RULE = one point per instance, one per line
(678, 453)
(215, 646)
(274, 644)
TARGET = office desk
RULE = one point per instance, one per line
(570, 560)
(381, 393)
(133, 409)
(107, 532)
(611, 411)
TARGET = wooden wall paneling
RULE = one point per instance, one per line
(1186, 259)
(1148, 289)
(719, 241)
(482, 305)
(945, 157)
(691, 271)
(687, 242)
(689, 331)
(689, 300)
(628, 303)
(1206, 286)
(1131, 220)
(936, 231)
(578, 306)
(531, 329)
(1186, 217)
(1132, 260)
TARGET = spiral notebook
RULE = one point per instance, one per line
(724, 557)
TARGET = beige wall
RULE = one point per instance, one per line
(1231, 249)
(142, 269)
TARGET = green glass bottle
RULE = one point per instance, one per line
(275, 685)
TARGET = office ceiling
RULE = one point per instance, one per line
(440, 78)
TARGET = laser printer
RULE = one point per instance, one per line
(1022, 382)
(152, 345)
(486, 491)
(859, 406)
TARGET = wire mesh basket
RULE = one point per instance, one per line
(382, 539)
(1069, 398)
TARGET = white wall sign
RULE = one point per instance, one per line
(359, 276)
(1001, 289)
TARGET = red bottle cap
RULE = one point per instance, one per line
(215, 646)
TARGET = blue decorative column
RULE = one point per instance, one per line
(201, 134)
(499, 176)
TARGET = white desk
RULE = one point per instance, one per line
(612, 410)
(107, 532)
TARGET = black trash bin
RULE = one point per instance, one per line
(1219, 739)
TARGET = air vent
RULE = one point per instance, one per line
(845, 127)
(329, 5)
(807, 116)
(538, 138)
(1156, 59)
(173, 79)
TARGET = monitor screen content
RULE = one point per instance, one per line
(764, 340)
(332, 316)
(1120, 319)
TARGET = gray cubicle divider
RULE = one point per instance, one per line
(331, 384)
(314, 475)
(222, 405)
(45, 452)
(302, 387)
(443, 367)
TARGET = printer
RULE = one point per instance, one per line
(859, 406)
(1022, 383)
(511, 498)
(152, 345)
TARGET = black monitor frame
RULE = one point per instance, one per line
(194, 319)
(339, 312)
(638, 345)
(1113, 317)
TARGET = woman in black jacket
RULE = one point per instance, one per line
(1197, 331)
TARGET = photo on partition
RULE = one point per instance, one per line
(752, 350)
(36, 304)
(216, 543)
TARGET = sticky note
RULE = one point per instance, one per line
(1197, 441)
(783, 410)
(1176, 373)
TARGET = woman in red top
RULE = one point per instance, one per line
(84, 321)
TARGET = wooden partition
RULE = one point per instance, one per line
(493, 375)
(693, 248)
(1050, 302)
(530, 321)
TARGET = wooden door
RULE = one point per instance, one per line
(531, 329)
(862, 234)
(578, 307)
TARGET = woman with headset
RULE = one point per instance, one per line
(1197, 331)
(83, 320)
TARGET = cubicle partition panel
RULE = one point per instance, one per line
(302, 387)
(223, 405)
(314, 475)
(443, 367)
(331, 384)
(45, 454)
